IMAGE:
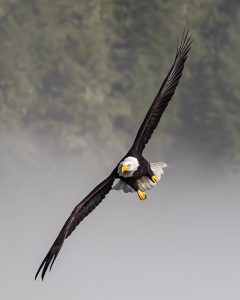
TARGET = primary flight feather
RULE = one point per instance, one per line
(134, 172)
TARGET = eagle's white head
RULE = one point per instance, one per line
(128, 166)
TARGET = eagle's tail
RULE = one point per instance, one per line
(157, 168)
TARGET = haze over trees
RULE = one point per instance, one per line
(83, 73)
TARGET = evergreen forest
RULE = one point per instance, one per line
(81, 75)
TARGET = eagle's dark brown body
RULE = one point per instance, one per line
(144, 169)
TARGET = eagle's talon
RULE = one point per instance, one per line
(154, 179)
(141, 195)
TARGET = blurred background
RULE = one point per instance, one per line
(77, 78)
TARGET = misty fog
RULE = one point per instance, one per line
(181, 243)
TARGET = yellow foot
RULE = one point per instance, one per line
(154, 179)
(141, 195)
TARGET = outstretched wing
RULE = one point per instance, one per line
(77, 215)
(164, 95)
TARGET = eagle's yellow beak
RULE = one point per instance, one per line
(124, 168)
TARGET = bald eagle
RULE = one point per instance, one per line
(134, 172)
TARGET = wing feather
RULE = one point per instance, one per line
(78, 214)
(164, 95)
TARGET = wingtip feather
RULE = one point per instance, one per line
(185, 43)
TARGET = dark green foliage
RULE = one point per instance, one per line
(85, 72)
